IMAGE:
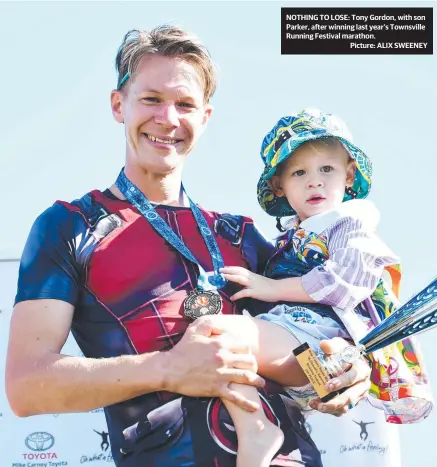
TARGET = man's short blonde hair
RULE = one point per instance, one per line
(169, 41)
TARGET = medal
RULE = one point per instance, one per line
(202, 302)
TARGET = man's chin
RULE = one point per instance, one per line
(163, 165)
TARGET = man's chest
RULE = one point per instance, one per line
(136, 281)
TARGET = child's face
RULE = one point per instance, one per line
(314, 178)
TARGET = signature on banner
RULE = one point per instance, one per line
(363, 446)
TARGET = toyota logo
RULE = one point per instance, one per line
(39, 441)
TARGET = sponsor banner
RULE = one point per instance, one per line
(101, 452)
(360, 438)
(37, 449)
(72, 443)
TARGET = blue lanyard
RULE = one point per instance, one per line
(137, 199)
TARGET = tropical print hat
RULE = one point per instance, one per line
(287, 135)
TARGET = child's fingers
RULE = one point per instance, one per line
(238, 279)
(242, 294)
(333, 346)
(359, 372)
(344, 402)
(235, 270)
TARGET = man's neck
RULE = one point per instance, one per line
(158, 189)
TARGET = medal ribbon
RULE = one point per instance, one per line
(139, 200)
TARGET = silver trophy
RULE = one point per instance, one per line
(417, 315)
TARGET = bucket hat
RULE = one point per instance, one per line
(287, 135)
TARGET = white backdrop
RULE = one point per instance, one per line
(67, 439)
(70, 439)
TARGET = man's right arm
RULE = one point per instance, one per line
(39, 379)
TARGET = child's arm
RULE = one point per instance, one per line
(263, 288)
(357, 258)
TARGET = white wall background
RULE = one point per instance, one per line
(58, 140)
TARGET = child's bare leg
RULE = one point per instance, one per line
(271, 344)
(258, 438)
(274, 355)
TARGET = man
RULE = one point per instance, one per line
(106, 268)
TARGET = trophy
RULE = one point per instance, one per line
(417, 315)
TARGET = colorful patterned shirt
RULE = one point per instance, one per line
(356, 259)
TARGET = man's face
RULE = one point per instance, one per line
(164, 113)
(314, 178)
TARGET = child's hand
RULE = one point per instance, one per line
(356, 380)
(256, 286)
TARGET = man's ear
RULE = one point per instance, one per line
(350, 173)
(207, 114)
(117, 105)
(275, 185)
